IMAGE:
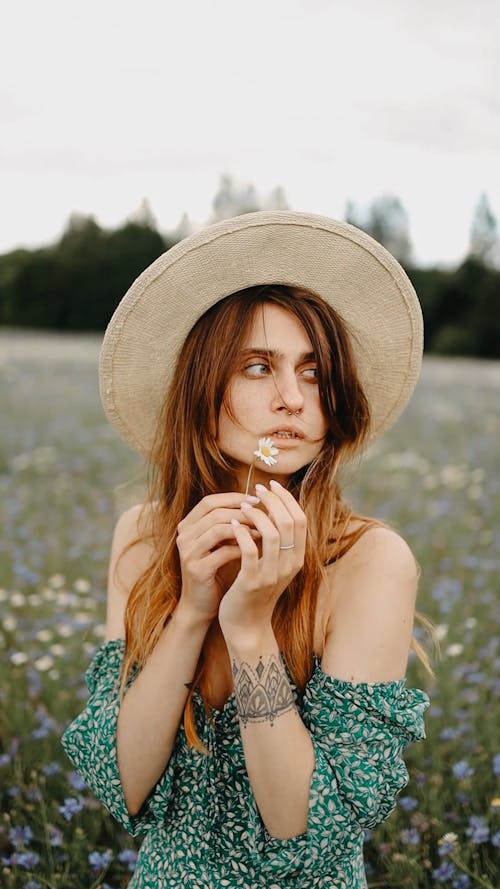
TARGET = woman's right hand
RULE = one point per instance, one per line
(206, 542)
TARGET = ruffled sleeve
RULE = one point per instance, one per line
(358, 731)
(90, 743)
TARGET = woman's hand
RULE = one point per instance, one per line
(246, 610)
(206, 542)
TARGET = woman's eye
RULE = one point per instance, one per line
(257, 368)
(311, 372)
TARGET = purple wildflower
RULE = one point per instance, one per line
(462, 769)
(478, 829)
(100, 860)
(408, 803)
(56, 836)
(444, 872)
(495, 839)
(461, 881)
(448, 733)
(19, 836)
(128, 856)
(27, 859)
(496, 764)
(52, 768)
(446, 847)
(410, 837)
(76, 781)
(71, 807)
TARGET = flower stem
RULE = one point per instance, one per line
(479, 880)
(249, 477)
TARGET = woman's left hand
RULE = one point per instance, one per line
(247, 607)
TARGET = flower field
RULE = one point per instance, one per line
(64, 477)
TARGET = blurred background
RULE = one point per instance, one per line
(125, 127)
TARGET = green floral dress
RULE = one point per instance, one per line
(203, 828)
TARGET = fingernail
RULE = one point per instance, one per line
(235, 522)
(252, 499)
(260, 488)
(275, 483)
(246, 505)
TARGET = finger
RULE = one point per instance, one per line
(192, 531)
(286, 514)
(212, 502)
(248, 550)
(269, 532)
(199, 547)
(221, 556)
(284, 496)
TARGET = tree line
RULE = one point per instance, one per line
(76, 283)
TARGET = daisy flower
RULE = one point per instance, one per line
(266, 451)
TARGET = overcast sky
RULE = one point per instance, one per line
(105, 102)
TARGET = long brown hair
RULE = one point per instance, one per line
(187, 464)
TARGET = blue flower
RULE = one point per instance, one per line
(76, 781)
(462, 769)
(461, 881)
(71, 807)
(32, 884)
(448, 733)
(100, 860)
(128, 856)
(478, 829)
(52, 768)
(446, 847)
(410, 837)
(27, 859)
(496, 764)
(444, 872)
(19, 836)
(408, 803)
(56, 836)
(495, 839)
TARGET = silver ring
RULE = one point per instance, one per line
(290, 546)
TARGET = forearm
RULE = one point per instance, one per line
(152, 707)
(278, 750)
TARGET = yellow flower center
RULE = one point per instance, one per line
(266, 450)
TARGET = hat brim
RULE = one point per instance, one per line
(339, 262)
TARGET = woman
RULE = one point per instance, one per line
(248, 709)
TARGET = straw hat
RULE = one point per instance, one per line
(337, 261)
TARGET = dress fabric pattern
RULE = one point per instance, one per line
(202, 825)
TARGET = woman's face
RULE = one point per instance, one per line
(276, 374)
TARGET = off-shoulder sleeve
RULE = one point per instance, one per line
(90, 743)
(358, 732)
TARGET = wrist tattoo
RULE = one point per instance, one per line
(262, 693)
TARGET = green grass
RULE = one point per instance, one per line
(65, 475)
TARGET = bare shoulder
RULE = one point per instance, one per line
(371, 591)
(381, 561)
(131, 552)
(379, 546)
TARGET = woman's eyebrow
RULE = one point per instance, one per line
(275, 353)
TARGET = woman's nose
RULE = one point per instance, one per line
(288, 395)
